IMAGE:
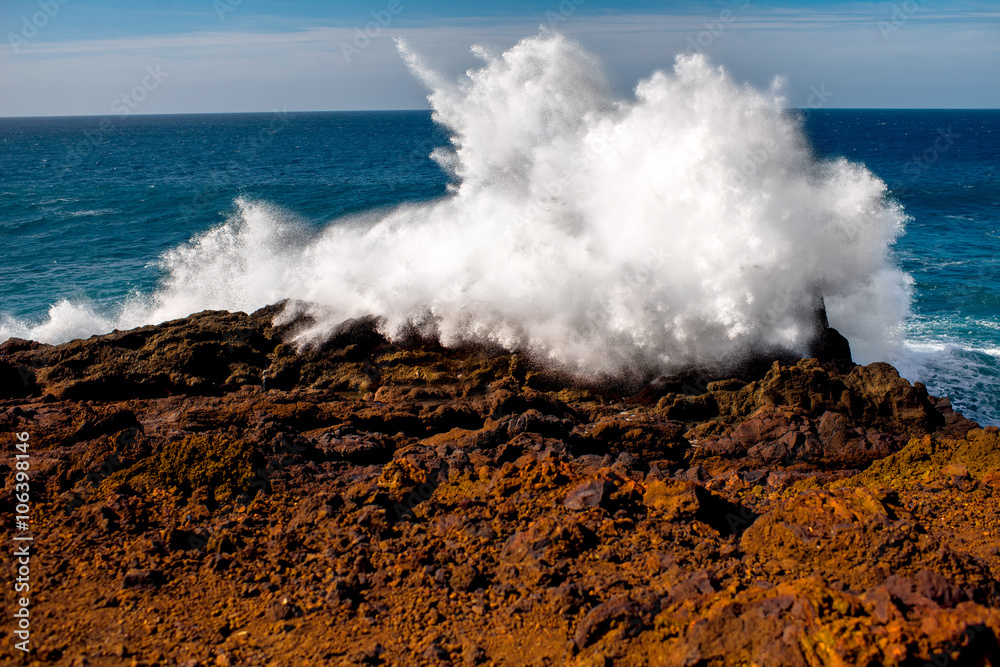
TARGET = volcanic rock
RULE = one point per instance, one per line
(204, 492)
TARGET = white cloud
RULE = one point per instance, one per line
(306, 70)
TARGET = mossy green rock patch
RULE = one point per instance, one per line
(227, 466)
(925, 458)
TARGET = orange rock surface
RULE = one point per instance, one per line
(204, 495)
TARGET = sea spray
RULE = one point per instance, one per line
(688, 225)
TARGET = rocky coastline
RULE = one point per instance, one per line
(203, 494)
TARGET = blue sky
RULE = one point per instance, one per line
(79, 57)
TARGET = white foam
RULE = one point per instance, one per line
(67, 320)
(687, 225)
(966, 374)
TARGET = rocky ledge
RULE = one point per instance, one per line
(203, 495)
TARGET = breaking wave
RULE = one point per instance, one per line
(690, 224)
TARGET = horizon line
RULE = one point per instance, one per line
(411, 110)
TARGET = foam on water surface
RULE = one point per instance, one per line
(688, 224)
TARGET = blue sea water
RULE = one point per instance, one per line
(89, 205)
(942, 165)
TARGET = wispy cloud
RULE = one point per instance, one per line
(939, 55)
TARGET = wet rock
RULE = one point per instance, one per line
(830, 346)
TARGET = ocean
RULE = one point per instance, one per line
(100, 217)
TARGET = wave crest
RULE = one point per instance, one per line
(689, 225)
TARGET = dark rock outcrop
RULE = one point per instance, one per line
(204, 494)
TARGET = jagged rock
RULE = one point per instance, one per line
(845, 534)
(643, 435)
(674, 498)
(892, 402)
(620, 611)
(379, 502)
(684, 408)
(586, 495)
